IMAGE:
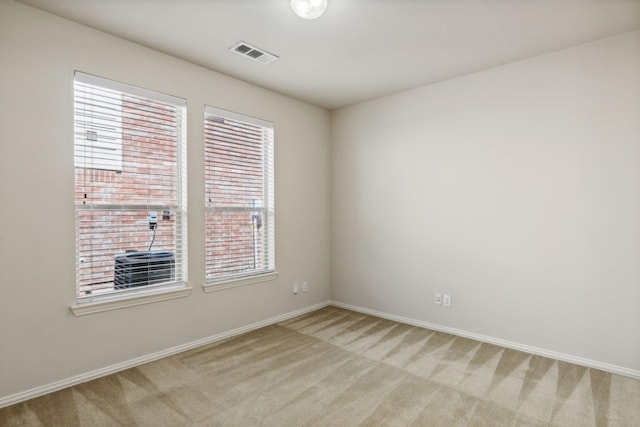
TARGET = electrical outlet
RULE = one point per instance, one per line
(446, 300)
(438, 298)
(296, 288)
(305, 286)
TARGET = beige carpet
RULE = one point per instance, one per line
(335, 367)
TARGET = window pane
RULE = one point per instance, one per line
(235, 243)
(148, 156)
(104, 234)
(234, 163)
(129, 187)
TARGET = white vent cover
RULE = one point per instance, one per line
(252, 52)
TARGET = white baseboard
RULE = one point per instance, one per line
(88, 376)
(497, 341)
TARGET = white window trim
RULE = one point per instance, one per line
(134, 90)
(116, 302)
(238, 117)
(220, 285)
(143, 295)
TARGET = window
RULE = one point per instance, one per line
(239, 196)
(130, 197)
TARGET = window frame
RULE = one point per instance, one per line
(269, 273)
(135, 295)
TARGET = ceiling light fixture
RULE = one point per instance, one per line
(309, 9)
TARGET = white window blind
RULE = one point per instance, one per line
(130, 189)
(240, 224)
(99, 130)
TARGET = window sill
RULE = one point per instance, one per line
(243, 281)
(128, 301)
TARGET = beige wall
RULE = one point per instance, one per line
(515, 190)
(40, 340)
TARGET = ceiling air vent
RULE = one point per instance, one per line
(254, 53)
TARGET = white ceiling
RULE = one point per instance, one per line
(359, 49)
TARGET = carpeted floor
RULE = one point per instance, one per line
(334, 367)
